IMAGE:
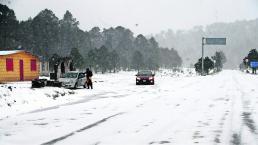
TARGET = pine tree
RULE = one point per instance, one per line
(102, 58)
(45, 32)
(114, 60)
(8, 27)
(137, 60)
(208, 65)
(77, 58)
(68, 33)
(219, 59)
(92, 59)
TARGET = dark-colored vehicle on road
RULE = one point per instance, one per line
(145, 77)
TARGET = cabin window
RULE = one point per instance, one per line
(9, 64)
(33, 65)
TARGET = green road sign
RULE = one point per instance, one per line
(215, 41)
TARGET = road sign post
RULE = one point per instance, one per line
(210, 41)
(203, 55)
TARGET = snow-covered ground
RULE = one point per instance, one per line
(180, 109)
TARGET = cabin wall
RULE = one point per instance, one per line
(6, 76)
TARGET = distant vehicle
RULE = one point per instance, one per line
(145, 77)
(73, 79)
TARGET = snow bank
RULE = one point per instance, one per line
(177, 72)
(19, 97)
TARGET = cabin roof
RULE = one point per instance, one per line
(8, 52)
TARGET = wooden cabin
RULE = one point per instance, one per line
(18, 65)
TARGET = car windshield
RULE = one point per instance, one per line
(70, 75)
(144, 73)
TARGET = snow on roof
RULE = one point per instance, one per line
(8, 52)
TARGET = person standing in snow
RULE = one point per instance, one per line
(89, 79)
(55, 71)
(71, 68)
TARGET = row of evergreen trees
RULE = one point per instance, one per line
(108, 49)
(214, 63)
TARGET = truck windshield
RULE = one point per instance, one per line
(70, 75)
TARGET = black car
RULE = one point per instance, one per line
(145, 77)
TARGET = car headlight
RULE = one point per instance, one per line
(138, 78)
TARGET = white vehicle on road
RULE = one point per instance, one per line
(73, 79)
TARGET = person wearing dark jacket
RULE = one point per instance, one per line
(89, 79)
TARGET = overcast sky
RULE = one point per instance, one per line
(152, 16)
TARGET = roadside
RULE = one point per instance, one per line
(19, 97)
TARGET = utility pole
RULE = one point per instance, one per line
(203, 55)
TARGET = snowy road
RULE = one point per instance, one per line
(209, 110)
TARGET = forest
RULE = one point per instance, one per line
(110, 49)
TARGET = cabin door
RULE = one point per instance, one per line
(21, 71)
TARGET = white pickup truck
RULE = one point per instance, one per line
(73, 79)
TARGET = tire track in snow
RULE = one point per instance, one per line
(53, 141)
(245, 116)
(210, 123)
(93, 97)
(220, 129)
(236, 111)
(198, 135)
(185, 110)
